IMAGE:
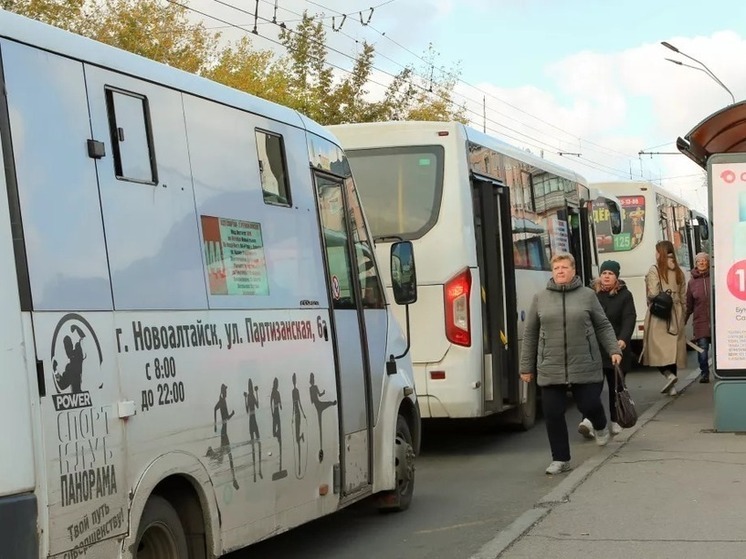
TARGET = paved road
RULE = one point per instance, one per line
(473, 479)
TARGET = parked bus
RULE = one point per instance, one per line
(198, 352)
(485, 219)
(650, 214)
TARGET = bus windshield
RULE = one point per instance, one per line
(400, 188)
(633, 225)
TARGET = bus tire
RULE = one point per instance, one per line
(400, 498)
(523, 416)
(160, 534)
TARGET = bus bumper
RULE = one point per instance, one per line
(18, 532)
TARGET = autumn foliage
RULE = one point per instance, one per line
(301, 78)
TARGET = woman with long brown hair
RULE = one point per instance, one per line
(664, 343)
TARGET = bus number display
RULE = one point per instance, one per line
(622, 241)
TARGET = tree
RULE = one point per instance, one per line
(66, 14)
(253, 71)
(302, 79)
(429, 97)
(315, 92)
(161, 32)
(310, 75)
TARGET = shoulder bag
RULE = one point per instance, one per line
(626, 414)
(662, 304)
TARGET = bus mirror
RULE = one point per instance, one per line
(403, 275)
(615, 217)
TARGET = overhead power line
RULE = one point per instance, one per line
(573, 137)
(526, 139)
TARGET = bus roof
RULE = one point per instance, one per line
(618, 189)
(373, 130)
(522, 155)
(53, 39)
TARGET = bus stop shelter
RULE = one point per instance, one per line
(718, 145)
(721, 132)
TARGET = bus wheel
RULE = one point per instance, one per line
(524, 415)
(400, 498)
(160, 534)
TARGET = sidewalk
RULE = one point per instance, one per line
(668, 488)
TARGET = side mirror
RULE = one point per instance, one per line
(615, 217)
(403, 273)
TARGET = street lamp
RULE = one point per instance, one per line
(704, 68)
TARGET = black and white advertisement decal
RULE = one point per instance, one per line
(76, 362)
(85, 475)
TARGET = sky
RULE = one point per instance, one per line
(582, 77)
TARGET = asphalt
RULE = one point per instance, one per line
(670, 487)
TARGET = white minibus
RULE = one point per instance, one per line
(649, 214)
(485, 219)
(198, 352)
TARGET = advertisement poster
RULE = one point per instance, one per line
(728, 183)
(633, 222)
(234, 253)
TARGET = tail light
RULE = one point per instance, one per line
(456, 293)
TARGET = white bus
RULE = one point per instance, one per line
(197, 349)
(485, 219)
(649, 214)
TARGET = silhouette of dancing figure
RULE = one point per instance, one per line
(297, 411)
(225, 444)
(275, 403)
(251, 399)
(320, 407)
(72, 376)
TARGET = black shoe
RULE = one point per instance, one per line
(704, 380)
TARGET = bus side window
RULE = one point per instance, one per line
(131, 137)
(272, 168)
(370, 283)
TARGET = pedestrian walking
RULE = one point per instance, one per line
(698, 305)
(619, 307)
(564, 328)
(664, 343)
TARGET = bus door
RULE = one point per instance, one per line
(698, 231)
(580, 242)
(348, 334)
(493, 229)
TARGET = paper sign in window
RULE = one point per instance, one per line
(234, 252)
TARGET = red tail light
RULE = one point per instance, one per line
(456, 294)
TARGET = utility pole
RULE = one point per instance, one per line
(484, 113)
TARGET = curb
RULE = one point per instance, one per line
(561, 494)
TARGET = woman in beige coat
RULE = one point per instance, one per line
(664, 343)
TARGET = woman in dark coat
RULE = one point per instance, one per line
(698, 304)
(619, 307)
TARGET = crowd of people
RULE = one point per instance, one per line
(575, 336)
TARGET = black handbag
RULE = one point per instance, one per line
(661, 305)
(626, 414)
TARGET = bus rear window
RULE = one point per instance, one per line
(633, 225)
(400, 188)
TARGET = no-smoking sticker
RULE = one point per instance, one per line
(335, 287)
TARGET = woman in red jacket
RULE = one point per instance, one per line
(698, 304)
